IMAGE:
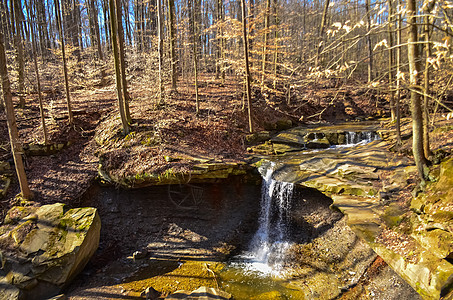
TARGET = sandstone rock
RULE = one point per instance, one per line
(150, 293)
(440, 242)
(257, 137)
(45, 247)
(289, 138)
(203, 293)
(43, 150)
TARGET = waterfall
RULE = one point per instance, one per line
(269, 245)
(362, 137)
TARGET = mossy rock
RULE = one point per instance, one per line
(283, 148)
(44, 150)
(200, 173)
(336, 138)
(439, 242)
(257, 137)
(318, 144)
(283, 124)
(265, 149)
(289, 138)
(393, 215)
(46, 247)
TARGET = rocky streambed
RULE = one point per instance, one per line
(182, 231)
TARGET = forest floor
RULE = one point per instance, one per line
(218, 131)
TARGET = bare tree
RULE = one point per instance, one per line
(19, 51)
(398, 80)
(65, 68)
(266, 37)
(95, 34)
(16, 147)
(319, 46)
(160, 50)
(172, 34)
(38, 81)
(368, 40)
(416, 105)
(427, 7)
(195, 37)
(246, 65)
(122, 59)
(115, 48)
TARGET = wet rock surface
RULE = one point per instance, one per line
(352, 177)
(187, 248)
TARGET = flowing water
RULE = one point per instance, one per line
(262, 267)
(267, 249)
(361, 137)
(263, 270)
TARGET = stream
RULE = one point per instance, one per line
(265, 268)
(282, 241)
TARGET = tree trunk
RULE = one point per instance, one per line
(246, 65)
(108, 41)
(42, 25)
(119, 90)
(16, 147)
(38, 82)
(276, 21)
(321, 32)
(426, 144)
(160, 50)
(127, 20)
(19, 53)
(122, 59)
(4, 16)
(416, 107)
(172, 34)
(195, 53)
(65, 68)
(368, 39)
(266, 37)
(222, 41)
(78, 28)
(97, 36)
(398, 81)
(391, 60)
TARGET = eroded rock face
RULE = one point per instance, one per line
(44, 248)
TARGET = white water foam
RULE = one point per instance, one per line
(267, 250)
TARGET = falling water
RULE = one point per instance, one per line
(269, 245)
(353, 138)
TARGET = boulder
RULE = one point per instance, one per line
(257, 137)
(44, 248)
